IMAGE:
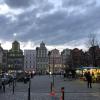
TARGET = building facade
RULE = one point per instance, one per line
(1, 58)
(15, 58)
(76, 58)
(55, 61)
(4, 61)
(65, 55)
(41, 59)
(30, 60)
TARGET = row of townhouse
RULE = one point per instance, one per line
(40, 60)
(43, 61)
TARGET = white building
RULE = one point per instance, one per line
(30, 60)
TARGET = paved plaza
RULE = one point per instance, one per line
(40, 90)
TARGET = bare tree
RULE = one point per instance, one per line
(92, 44)
(92, 40)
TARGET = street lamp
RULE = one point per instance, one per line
(52, 83)
(29, 95)
(13, 86)
(49, 53)
(53, 70)
(13, 77)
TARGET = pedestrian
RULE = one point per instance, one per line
(3, 85)
(10, 81)
(25, 79)
(89, 80)
(70, 75)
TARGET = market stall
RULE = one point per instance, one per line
(94, 71)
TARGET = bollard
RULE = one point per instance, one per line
(52, 92)
(29, 95)
(63, 94)
(51, 87)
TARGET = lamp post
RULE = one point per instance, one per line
(29, 95)
(53, 71)
(13, 86)
(13, 77)
(52, 83)
(49, 60)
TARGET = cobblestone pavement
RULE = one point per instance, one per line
(40, 90)
(23, 96)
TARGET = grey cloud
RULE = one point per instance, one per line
(44, 4)
(55, 28)
(80, 3)
(4, 24)
(18, 3)
(65, 27)
(73, 26)
(24, 22)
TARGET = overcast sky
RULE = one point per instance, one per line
(59, 23)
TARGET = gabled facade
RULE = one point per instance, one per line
(65, 55)
(15, 58)
(41, 59)
(55, 61)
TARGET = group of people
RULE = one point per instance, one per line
(87, 75)
(69, 75)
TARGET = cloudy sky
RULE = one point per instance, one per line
(59, 23)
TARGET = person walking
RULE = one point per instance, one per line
(3, 85)
(89, 80)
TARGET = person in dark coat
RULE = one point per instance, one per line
(89, 80)
(3, 85)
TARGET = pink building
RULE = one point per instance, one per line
(55, 62)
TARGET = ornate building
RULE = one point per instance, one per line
(55, 61)
(41, 59)
(15, 58)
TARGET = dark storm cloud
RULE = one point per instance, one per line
(24, 22)
(43, 22)
(70, 27)
(4, 24)
(18, 3)
(81, 3)
(28, 3)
